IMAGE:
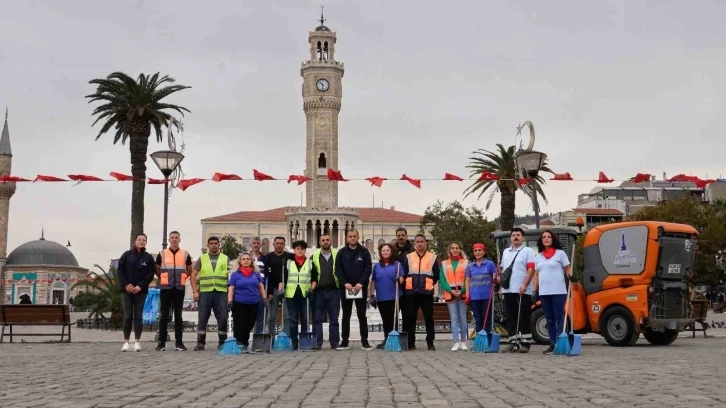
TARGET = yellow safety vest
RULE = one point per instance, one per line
(297, 277)
(316, 261)
(211, 280)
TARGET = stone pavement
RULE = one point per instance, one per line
(691, 372)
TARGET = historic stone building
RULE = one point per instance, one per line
(322, 91)
(43, 270)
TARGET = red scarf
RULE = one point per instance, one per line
(549, 252)
(456, 258)
(300, 260)
(246, 271)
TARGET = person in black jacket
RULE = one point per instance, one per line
(401, 249)
(353, 268)
(135, 273)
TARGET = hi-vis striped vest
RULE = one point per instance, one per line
(297, 277)
(173, 270)
(213, 279)
(420, 278)
(454, 277)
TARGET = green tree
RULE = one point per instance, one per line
(502, 164)
(230, 247)
(453, 222)
(106, 297)
(133, 108)
(707, 219)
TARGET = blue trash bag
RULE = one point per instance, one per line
(151, 306)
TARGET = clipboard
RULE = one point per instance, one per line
(351, 294)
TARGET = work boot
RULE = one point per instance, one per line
(199, 347)
(201, 340)
(549, 350)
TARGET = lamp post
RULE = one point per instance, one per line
(531, 161)
(167, 161)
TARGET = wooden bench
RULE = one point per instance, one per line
(700, 310)
(35, 315)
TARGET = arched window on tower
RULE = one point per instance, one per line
(325, 51)
(320, 51)
(322, 165)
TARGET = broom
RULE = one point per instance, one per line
(562, 347)
(481, 342)
(282, 341)
(393, 342)
(230, 346)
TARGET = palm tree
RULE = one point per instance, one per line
(133, 107)
(502, 164)
(107, 294)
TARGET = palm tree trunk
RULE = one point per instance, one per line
(138, 146)
(506, 199)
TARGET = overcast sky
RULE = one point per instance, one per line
(622, 88)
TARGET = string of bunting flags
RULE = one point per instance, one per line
(335, 175)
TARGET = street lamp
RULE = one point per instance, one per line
(167, 161)
(530, 161)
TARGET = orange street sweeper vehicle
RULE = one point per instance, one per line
(634, 280)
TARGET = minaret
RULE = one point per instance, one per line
(6, 192)
(322, 91)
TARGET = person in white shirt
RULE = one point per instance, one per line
(518, 294)
(551, 268)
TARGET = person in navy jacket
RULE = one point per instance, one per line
(135, 272)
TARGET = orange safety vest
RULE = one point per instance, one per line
(173, 270)
(420, 278)
(454, 277)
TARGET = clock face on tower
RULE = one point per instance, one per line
(322, 84)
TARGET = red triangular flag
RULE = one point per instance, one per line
(414, 182)
(157, 181)
(376, 181)
(449, 176)
(562, 177)
(82, 177)
(602, 178)
(9, 179)
(185, 184)
(221, 177)
(47, 178)
(522, 182)
(488, 176)
(299, 178)
(261, 176)
(640, 178)
(334, 175)
(123, 177)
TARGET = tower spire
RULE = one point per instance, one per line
(322, 17)
(5, 138)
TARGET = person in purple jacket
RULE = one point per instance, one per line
(246, 291)
(383, 288)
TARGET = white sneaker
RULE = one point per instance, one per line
(462, 345)
(125, 347)
(456, 347)
(137, 347)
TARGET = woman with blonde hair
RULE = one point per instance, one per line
(246, 291)
(452, 279)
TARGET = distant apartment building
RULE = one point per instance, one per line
(612, 204)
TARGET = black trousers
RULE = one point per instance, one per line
(512, 310)
(171, 298)
(243, 321)
(426, 303)
(133, 312)
(386, 308)
(360, 309)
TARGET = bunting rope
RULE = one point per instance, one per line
(335, 175)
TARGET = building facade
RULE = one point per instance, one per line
(322, 92)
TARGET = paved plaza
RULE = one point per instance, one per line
(692, 372)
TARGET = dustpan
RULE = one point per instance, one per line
(262, 342)
(575, 339)
(493, 337)
(307, 341)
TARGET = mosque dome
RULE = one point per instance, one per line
(42, 253)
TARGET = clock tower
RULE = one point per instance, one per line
(322, 91)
